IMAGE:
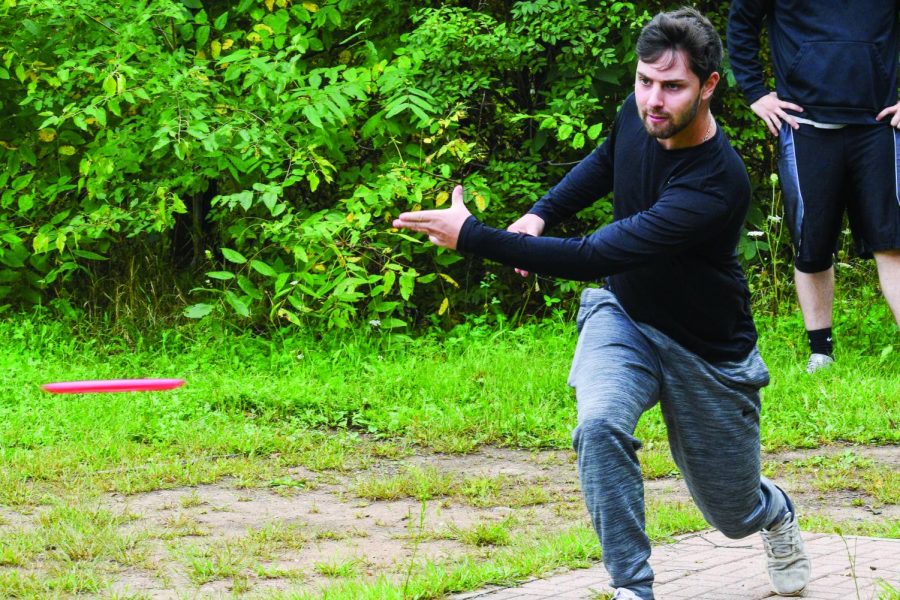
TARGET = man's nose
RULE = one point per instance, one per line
(655, 97)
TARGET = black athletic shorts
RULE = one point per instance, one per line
(825, 172)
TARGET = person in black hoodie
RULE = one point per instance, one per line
(672, 324)
(835, 112)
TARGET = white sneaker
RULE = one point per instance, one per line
(787, 562)
(818, 361)
(625, 594)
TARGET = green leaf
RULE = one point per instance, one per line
(234, 56)
(88, 255)
(397, 108)
(239, 306)
(22, 180)
(247, 286)
(263, 269)
(310, 112)
(407, 283)
(594, 131)
(389, 278)
(220, 275)
(578, 141)
(233, 256)
(221, 21)
(202, 36)
(198, 311)
(281, 281)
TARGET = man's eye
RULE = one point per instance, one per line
(673, 86)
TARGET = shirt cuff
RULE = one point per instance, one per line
(464, 243)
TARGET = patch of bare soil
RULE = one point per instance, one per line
(329, 525)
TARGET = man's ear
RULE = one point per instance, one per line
(709, 86)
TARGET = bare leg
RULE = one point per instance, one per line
(889, 274)
(815, 291)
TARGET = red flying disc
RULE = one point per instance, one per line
(112, 385)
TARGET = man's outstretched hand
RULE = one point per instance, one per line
(441, 226)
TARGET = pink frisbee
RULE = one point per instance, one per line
(112, 385)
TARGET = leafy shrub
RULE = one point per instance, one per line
(251, 155)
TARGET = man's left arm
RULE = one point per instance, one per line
(892, 111)
(679, 220)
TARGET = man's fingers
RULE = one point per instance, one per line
(434, 240)
(789, 119)
(891, 110)
(774, 124)
(791, 106)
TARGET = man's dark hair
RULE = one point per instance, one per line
(682, 29)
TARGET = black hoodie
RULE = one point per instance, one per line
(835, 58)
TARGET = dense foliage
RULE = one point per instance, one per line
(249, 155)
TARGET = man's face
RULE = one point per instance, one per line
(668, 95)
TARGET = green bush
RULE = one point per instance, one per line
(245, 159)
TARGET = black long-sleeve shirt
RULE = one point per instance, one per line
(835, 58)
(669, 255)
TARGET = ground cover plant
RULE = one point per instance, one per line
(372, 465)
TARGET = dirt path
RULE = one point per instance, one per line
(314, 527)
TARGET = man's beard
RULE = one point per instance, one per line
(674, 125)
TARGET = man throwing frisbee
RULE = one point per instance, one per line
(672, 324)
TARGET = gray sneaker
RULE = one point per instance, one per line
(787, 561)
(625, 594)
(818, 361)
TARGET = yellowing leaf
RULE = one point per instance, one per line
(254, 38)
(350, 217)
(67, 150)
(344, 57)
(449, 279)
(40, 243)
(444, 306)
(227, 44)
(480, 202)
(310, 6)
(441, 198)
(109, 86)
(270, 4)
(46, 135)
(215, 48)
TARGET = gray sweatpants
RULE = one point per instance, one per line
(621, 369)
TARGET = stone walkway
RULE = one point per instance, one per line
(709, 566)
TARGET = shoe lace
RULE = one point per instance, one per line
(782, 541)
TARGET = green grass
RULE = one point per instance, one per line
(246, 396)
(847, 471)
(253, 408)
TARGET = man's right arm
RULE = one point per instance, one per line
(745, 21)
(744, 29)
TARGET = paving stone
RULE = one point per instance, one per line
(709, 566)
